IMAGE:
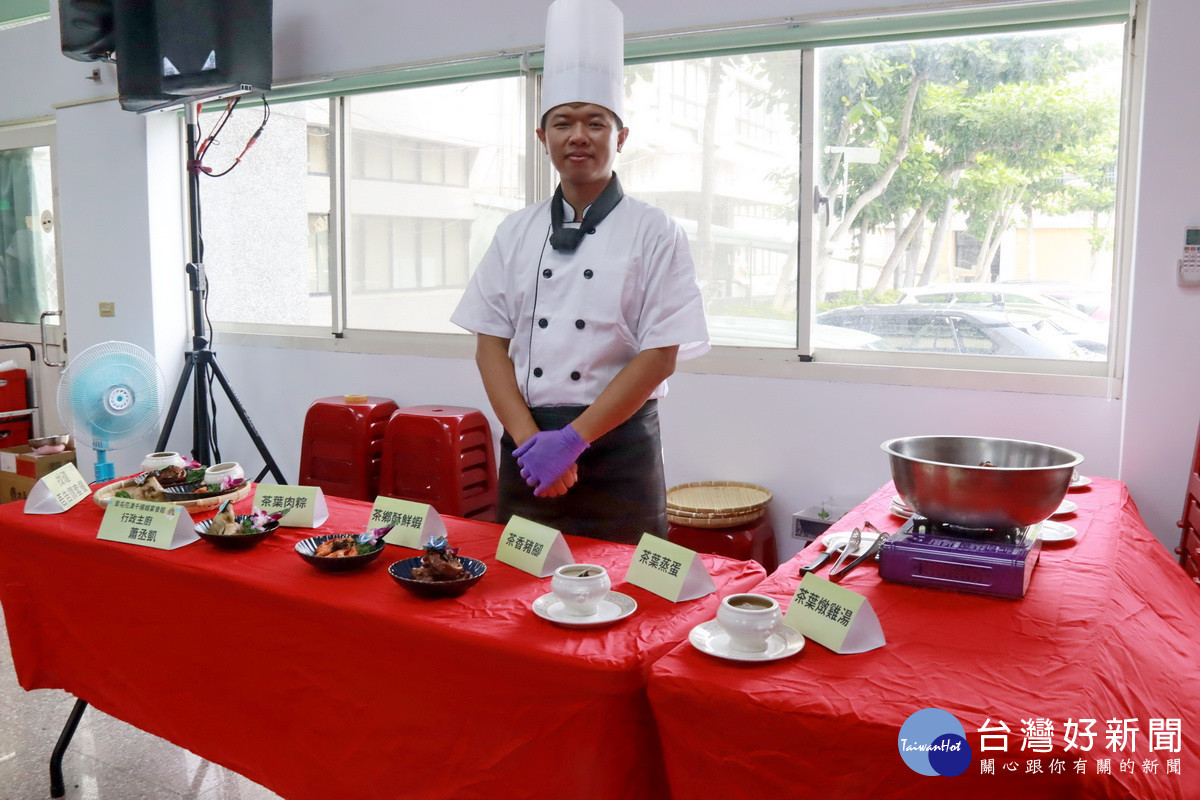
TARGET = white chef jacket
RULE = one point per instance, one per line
(574, 320)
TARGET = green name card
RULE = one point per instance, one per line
(303, 506)
(160, 525)
(57, 491)
(669, 570)
(535, 548)
(414, 524)
(834, 616)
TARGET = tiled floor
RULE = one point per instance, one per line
(107, 759)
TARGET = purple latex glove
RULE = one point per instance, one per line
(546, 455)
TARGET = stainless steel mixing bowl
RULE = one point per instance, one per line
(948, 478)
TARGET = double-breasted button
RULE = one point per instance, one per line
(537, 372)
(575, 376)
(587, 273)
(543, 322)
(580, 324)
(546, 273)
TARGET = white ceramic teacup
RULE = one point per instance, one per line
(219, 472)
(749, 620)
(157, 461)
(580, 588)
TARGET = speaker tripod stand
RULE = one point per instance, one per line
(200, 362)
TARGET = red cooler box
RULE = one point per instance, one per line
(342, 450)
(14, 431)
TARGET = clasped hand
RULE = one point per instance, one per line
(547, 460)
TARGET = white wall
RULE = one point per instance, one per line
(805, 440)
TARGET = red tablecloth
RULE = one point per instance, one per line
(328, 686)
(1107, 630)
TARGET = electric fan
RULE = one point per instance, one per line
(111, 395)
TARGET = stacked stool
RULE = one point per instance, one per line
(443, 456)
(342, 450)
(723, 518)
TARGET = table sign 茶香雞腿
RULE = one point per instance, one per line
(57, 491)
(413, 524)
(669, 570)
(834, 616)
(535, 548)
(303, 506)
(164, 526)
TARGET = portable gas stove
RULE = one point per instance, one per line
(991, 561)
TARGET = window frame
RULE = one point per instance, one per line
(829, 364)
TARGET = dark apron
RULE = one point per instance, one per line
(621, 491)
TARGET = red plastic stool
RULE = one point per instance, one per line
(342, 451)
(751, 541)
(443, 456)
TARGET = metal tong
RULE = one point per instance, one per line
(849, 550)
(838, 572)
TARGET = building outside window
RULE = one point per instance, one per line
(941, 163)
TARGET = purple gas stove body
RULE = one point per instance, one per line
(992, 562)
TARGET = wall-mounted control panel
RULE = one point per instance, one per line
(1189, 265)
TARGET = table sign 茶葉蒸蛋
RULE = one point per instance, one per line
(56, 492)
(413, 524)
(669, 570)
(532, 547)
(303, 506)
(164, 526)
(834, 616)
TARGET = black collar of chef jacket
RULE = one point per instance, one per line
(566, 240)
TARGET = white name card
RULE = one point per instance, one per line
(669, 570)
(532, 547)
(160, 525)
(302, 506)
(834, 616)
(413, 524)
(57, 491)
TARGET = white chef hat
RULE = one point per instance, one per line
(585, 55)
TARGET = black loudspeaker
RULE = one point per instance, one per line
(86, 28)
(170, 50)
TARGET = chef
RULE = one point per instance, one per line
(582, 306)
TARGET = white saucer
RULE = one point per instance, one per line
(900, 508)
(709, 637)
(613, 607)
(1057, 532)
(831, 540)
(1078, 480)
(1066, 507)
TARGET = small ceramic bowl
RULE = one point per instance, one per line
(234, 541)
(307, 548)
(219, 472)
(401, 572)
(156, 461)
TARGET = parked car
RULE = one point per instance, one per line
(1094, 301)
(1086, 332)
(748, 332)
(959, 328)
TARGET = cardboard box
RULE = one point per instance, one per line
(21, 461)
(15, 487)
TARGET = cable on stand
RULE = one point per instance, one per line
(200, 362)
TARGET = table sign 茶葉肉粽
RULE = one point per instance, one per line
(413, 524)
(302, 506)
(57, 491)
(834, 616)
(532, 547)
(669, 570)
(163, 526)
